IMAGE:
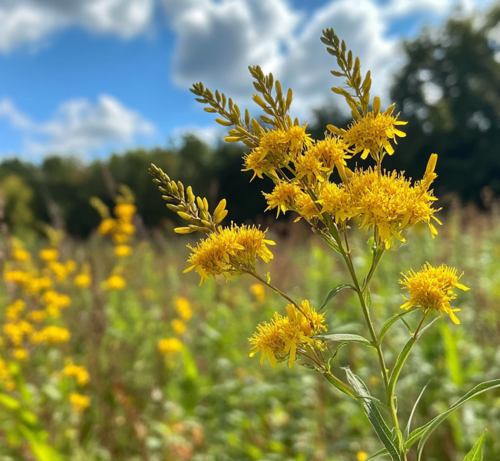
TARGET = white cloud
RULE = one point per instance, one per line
(79, 127)
(218, 39)
(29, 21)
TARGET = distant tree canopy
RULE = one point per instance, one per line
(448, 90)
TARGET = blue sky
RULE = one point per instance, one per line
(95, 77)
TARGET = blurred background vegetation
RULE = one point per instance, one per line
(448, 89)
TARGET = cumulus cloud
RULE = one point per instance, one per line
(218, 39)
(29, 21)
(79, 127)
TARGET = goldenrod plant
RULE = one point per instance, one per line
(318, 180)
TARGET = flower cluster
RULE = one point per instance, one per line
(432, 288)
(288, 336)
(168, 346)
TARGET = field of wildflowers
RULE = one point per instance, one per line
(109, 353)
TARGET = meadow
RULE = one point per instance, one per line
(198, 395)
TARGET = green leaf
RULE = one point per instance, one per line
(426, 431)
(407, 429)
(337, 385)
(379, 454)
(388, 324)
(334, 293)
(345, 338)
(373, 414)
(476, 454)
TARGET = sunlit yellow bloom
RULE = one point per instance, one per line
(306, 207)
(37, 316)
(391, 203)
(59, 270)
(331, 151)
(56, 299)
(20, 354)
(183, 308)
(36, 284)
(49, 254)
(288, 336)
(21, 255)
(254, 161)
(115, 282)
(125, 211)
(373, 132)
(338, 202)
(230, 251)
(50, 335)
(82, 280)
(16, 331)
(178, 326)
(79, 402)
(432, 288)
(16, 276)
(310, 167)
(259, 291)
(274, 144)
(297, 139)
(362, 456)
(122, 250)
(169, 346)
(78, 372)
(15, 309)
(282, 197)
(106, 226)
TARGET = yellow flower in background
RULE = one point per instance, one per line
(259, 291)
(20, 354)
(16, 331)
(59, 270)
(49, 254)
(51, 335)
(82, 280)
(53, 298)
(36, 284)
(183, 308)
(361, 455)
(125, 211)
(115, 282)
(122, 251)
(37, 316)
(21, 255)
(70, 266)
(178, 326)
(169, 346)
(287, 336)
(15, 309)
(16, 276)
(78, 372)
(79, 402)
(106, 226)
(432, 288)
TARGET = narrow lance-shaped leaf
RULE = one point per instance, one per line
(373, 414)
(334, 293)
(388, 324)
(476, 454)
(348, 338)
(424, 432)
(407, 429)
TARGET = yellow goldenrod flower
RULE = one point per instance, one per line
(16, 276)
(389, 202)
(125, 211)
(255, 162)
(59, 270)
(15, 309)
(432, 288)
(310, 167)
(282, 197)
(338, 202)
(361, 455)
(50, 335)
(306, 207)
(78, 372)
(56, 299)
(21, 255)
(373, 132)
(297, 139)
(37, 316)
(230, 251)
(49, 254)
(178, 326)
(115, 282)
(36, 284)
(83, 280)
(16, 331)
(106, 226)
(183, 308)
(259, 291)
(331, 151)
(288, 336)
(274, 143)
(122, 251)
(20, 354)
(169, 346)
(79, 402)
